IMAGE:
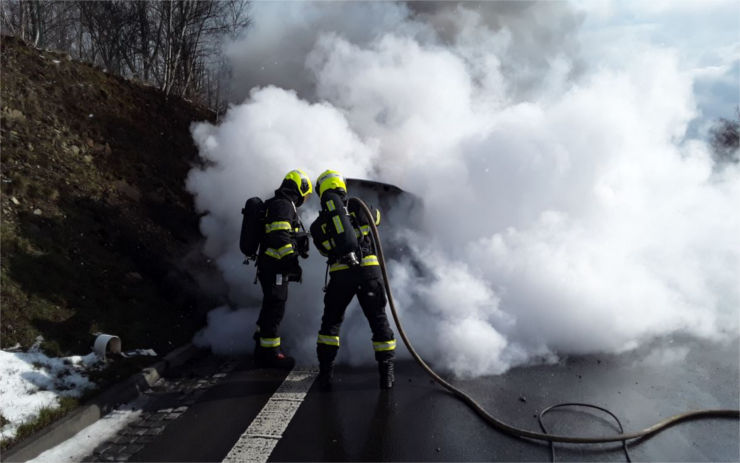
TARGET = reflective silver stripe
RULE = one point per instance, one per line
(327, 177)
(280, 253)
(330, 205)
(269, 342)
(328, 340)
(335, 267)
(338, 224)
(285, 250)
(280, 225)
(384, 346)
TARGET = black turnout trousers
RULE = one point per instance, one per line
(343, 286)
(273, 303)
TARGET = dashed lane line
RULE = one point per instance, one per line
(266, 430)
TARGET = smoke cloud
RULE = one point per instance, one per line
(565, 209)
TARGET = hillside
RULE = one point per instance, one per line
(98, 233)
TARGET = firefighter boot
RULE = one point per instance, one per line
(385, 368)
(326, 375)
(271, 357)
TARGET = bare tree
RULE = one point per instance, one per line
(194, 30)
(108, 24)
(147, 39)
(175, 45)
(40, 23)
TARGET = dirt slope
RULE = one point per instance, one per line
(96, 224)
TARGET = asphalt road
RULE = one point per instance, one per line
(418, 420)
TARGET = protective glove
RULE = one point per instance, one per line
(349, 259)
(294, 273)
(302, 244)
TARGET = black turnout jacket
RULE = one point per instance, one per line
(279, 248)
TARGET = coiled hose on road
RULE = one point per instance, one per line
(513, 430)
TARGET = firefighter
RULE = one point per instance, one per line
(277, 264)
(342, 234)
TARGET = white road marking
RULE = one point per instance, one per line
(263, 434)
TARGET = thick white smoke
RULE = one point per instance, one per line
(564, 209)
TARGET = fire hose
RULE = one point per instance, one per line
(513, 430)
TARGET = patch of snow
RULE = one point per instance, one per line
(139, 352)
(31, 381)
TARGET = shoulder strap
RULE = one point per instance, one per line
(298, 217)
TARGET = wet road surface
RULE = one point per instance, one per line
(201, 410)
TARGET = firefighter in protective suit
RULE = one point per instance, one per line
(342, 234)
(277, 264)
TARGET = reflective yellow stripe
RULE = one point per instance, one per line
(327, 245)
(281, 252)
(328, 340)
(377, 216)
(269, 342)
(335, 267)
(280, 225)
(367, 261)
(338, 224)
(363, 231)
(385, 345)
(323, 228)
(330, 205)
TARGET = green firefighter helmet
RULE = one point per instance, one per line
(329, 180)
(302, 182)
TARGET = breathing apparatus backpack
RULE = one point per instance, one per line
(253, 227)
(337, 230)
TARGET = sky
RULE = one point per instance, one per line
(703, 34)
(570, 201)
